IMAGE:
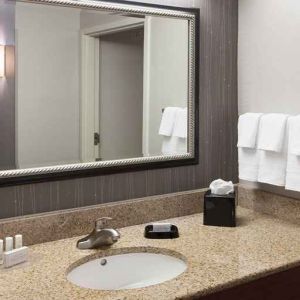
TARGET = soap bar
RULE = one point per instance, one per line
(161, 227)
(1, 251)
(18, 241)
(9, 243)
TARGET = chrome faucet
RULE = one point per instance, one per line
(100, 236)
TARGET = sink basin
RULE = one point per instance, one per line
(126, 271)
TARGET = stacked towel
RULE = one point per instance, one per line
(173, 128)
(173, 145)
(272, 132)
(269, 149)
(180, 126)
(248, 129)
(294, 134)
(273, 143)
(247, 138)
(248, 164)
(167, 121)
(293, 161)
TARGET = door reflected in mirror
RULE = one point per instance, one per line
(97, 85)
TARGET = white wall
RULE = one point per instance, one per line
(7, 18)
(165, 74)
(7, 87)
(48, 77)
(91, 18)
(269, 56)
(269, 61)
(47, 85)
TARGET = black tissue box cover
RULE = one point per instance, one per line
(219, 210)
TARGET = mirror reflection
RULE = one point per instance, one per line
(91, 85)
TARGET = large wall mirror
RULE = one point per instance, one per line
(98, 87)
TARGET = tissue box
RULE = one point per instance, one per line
(219, 210)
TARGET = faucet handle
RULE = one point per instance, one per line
(102, 223)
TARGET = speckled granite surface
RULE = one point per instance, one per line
(73, 222)
(217, 258)
(278, 206)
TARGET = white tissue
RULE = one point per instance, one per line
(221, 187)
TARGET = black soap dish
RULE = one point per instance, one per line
(172, 233)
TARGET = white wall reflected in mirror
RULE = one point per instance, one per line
(2, 61)
(94, 85)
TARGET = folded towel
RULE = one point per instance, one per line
(272, 130)
(294, 135)
(293, 161)
(293, 173)
(248, 164)
(173, 145)
(180, 126)
(272, 167)
(168, 121)
(247, 139)
(247, 130)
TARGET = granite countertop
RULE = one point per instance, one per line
(217, 258)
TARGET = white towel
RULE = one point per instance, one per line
(293, 163)
(293, 173)
(168, 121)
(173, 145)
(294, 135)
(248, 164)
(180, 126)
(272, 165)
(248, 129)
(247, 139)
(272, 130)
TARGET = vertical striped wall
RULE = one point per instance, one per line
(218, 134)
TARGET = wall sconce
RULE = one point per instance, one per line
(2, 61)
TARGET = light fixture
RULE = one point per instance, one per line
(2, 61)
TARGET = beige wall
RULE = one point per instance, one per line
(165, 74)
(269, 61)
(268, 56)
(7, 87)
(47, 79)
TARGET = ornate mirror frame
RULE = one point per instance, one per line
(30, 175)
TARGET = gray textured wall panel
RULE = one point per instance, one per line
(218, 134)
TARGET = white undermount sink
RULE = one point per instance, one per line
(126, 271)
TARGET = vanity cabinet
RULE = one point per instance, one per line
(284, 285)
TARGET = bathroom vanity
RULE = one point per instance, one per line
(262, 251)
(87, 87)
